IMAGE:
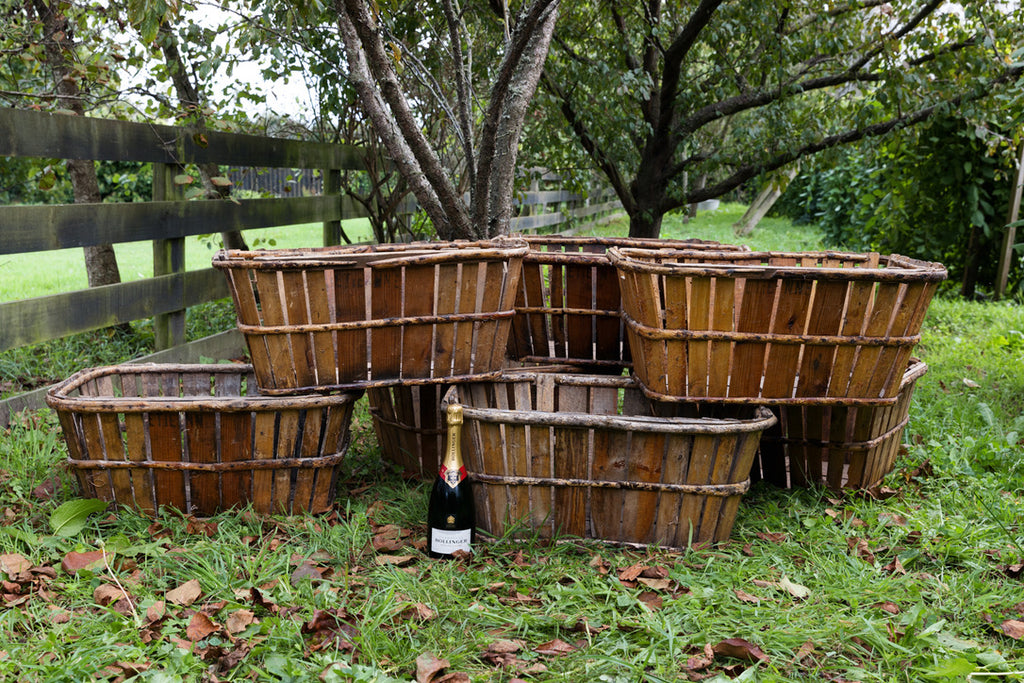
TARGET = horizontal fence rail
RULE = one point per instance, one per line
(168, 220)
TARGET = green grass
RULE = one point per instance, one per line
(771, 234)
(913, 586)
(23, 276)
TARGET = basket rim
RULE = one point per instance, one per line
(762, 420)
(58, 398)
(372, 255)
(714, 263)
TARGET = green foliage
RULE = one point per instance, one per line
(665, 97)
(70, 518)
(939, 193)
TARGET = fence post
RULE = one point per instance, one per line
(332, 186)
(168, 258)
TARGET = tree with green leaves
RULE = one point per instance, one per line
(58, 60)
(676, 103)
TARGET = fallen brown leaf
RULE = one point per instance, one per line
(652, 600)
(655, 584)
(806, 649)
(747, 597)
(185, 594)
(631, 573)
(860, 548)
(740, 649)
(306, 570)
(554, 647)
(200, 627)
(772, 536)
(1013, 628)
(890, 607)
(107, 593)
(156, 611)
(239, 620)
(429, 667)
(895, 567)
(419, 612)
(75, 562)
(14, 564)
(703, 660)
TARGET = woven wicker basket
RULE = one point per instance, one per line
(409, 426)
(581, 455)
(838, 446)
(568, 307)
(769, 327)
(194, 437)
(375, 315)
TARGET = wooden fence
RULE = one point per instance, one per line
(168, 219)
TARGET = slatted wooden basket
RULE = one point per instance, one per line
(409, 426)
(199, 439)
(772, 327)
(838, 446)
(375, 315)
(568, 302)
(581, 455)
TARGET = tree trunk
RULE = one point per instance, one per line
(100, 261)
(190, 101)
(645, 224)
(770, 194)
(973, 255)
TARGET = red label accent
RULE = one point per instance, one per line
(453, 477)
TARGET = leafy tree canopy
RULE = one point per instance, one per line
(680, 102)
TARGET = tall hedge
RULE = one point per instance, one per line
(939, 193)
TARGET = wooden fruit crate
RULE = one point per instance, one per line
(198, 438)
(838, 446)
(582, 455)
(772, 327)
(375, 315)
(409, 425)
(568, 303)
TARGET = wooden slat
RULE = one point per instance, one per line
(415, 348)
(201, 439)
(324, 359)
(59, 136)
(63, 226)
(280, 372)
(350, 306)
(385, 303)
(263, 449)
(569, 454)
(31, 321)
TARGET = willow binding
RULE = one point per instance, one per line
(772, 327)
(375, 315)
(581, 455)
(195, 438)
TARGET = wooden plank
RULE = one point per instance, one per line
(416, 340)
(31, 321)
(63, 226)
(59, 136)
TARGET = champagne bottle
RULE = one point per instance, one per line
(451, 515)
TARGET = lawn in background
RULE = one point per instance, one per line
(23, 276)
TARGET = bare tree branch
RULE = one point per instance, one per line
(513, 88)
(377, 85)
